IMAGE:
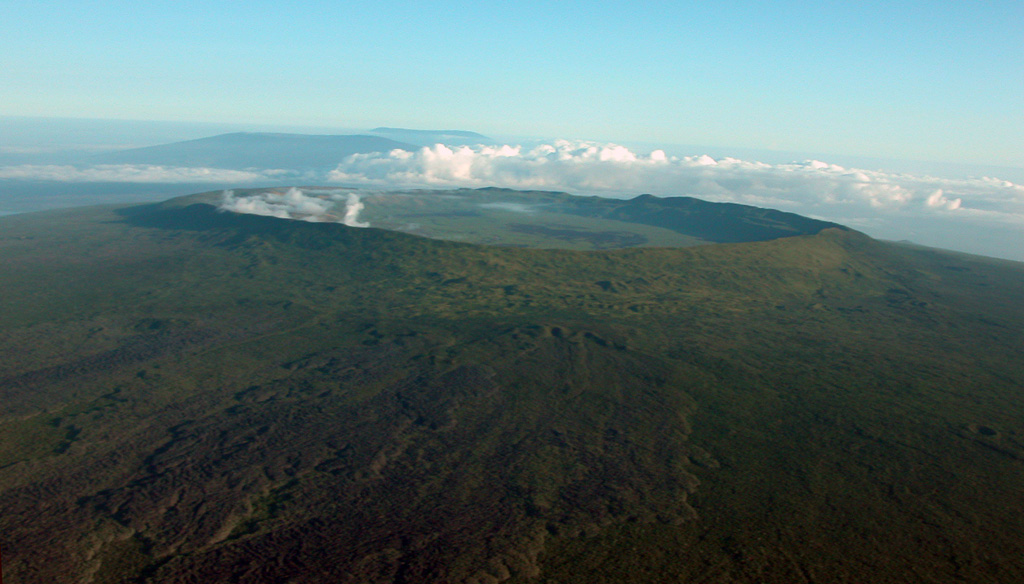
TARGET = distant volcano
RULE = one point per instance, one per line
(245, 150)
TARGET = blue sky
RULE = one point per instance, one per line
(939, 81)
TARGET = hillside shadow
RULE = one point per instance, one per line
(236, 227)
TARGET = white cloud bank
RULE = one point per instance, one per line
(981, 215)
(138, 173)
(615, 170)
(931, 210)
(314, 206)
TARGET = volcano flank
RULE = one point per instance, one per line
(499, 386)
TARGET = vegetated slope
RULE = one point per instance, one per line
(193, 396)
(702, 221)
(244, 150)
(714, 222)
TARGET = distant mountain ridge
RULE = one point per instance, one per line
(431, 137)
(459, 133)
(246, 150)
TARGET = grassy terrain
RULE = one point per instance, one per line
(193, 396)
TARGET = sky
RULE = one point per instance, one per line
(935, 81)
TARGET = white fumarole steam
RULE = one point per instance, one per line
(352, 208)
(295, 204)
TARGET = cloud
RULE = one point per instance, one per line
(954, 213)
(615, 170)
(320, 206)
(138, 173)
(514, 207)
(935, 211)
(59, 149)
(937, 199)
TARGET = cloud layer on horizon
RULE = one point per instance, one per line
(982, 215)
(810, 186)
(139, 173)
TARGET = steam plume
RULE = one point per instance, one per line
(322, 207)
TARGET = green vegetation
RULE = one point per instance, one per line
(191, 395)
